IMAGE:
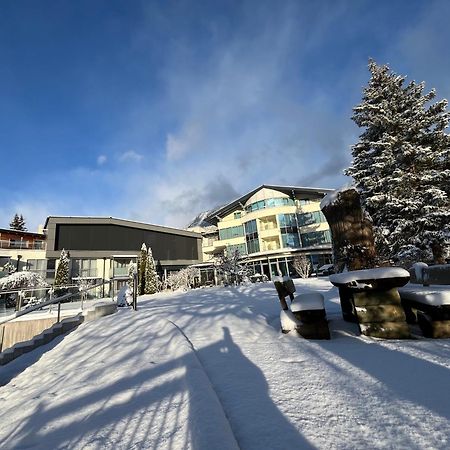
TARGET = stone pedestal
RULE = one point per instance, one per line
(309, 310)
(371, 299)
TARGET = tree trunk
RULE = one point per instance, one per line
(351, 231)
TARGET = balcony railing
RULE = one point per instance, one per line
(22, 245)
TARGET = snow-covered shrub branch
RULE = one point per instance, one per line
(22, 280)
(183, 279)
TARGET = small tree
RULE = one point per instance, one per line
(132, 267)
(151, 277)
(230, 265)
(302, 265)
(18, 223)
(141, 264)
(62, 276)
(183, 279)
(9, 267)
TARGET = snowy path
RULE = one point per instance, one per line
(132, 380)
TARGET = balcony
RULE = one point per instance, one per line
(22, 245)
(217, 247)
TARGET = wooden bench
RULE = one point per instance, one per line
(429, 307)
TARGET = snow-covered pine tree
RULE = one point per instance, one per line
(131, 268)
(62, 276)
(18, 223)
(151, 277)
(401, 165)
(141, 264)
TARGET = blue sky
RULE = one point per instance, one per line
(155, 111)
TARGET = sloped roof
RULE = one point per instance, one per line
(222, 211)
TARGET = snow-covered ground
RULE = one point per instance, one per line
(210, 369)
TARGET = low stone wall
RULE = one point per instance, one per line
(44, 332)
(23, 330)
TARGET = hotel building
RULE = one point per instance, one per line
(269, 226)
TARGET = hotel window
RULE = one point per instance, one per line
(311, 218)
(237, 215)
(316, 238)
(232, 232)
(289, 231)
(270, 203)
(251, 236)
(241, 248)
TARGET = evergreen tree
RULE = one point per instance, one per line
(62, 276)
(18, 223)
(141, 264)
(131, 268)
(401, 165)
(151, 277)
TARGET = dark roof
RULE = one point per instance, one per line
(236, 204)
(116, 221)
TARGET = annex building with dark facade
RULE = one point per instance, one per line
(103, 247)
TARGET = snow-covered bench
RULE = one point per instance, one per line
(370, 298)
(429, 307)
(430, 275)
(309, 310)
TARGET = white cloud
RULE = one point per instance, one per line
(187, 141)
(101, 159)
(131, 156)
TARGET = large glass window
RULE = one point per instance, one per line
(316, 238)
(38, 266)
(241, 248)
(290, 240)
(270, 203)
(84, 268)
(289, 230)
(232, 232)
(311, 218)
(251, 236)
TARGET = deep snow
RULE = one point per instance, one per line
(134, 380)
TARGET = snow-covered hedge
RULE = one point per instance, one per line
(22, 280)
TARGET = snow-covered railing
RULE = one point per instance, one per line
(53, 301)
